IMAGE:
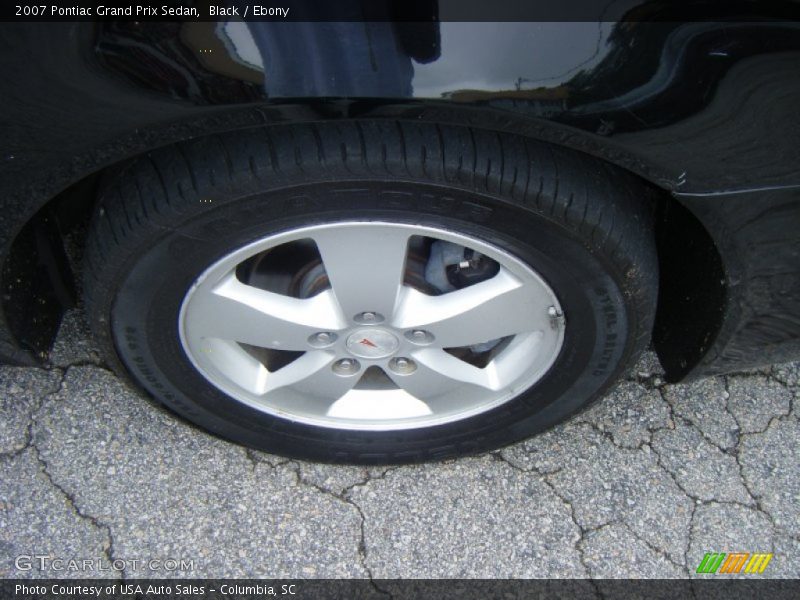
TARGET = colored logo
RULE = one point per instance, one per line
(737, 562)
(372, 342)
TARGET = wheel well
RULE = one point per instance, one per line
(692, 289)
(40, 272)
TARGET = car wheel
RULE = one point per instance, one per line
(371, 291)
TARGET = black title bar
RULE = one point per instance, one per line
(401, 10)
(353, 589)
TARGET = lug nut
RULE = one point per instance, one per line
(346, 366)
(368, 318)
(322, 339)
(402, 365)
(419, 336)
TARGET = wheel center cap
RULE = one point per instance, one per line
(372, 342)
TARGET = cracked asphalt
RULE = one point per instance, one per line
(642, 484)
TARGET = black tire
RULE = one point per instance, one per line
(585, 226)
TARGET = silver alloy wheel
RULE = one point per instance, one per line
(367, 320)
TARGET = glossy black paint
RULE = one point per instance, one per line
(758, 236)
(704, 112)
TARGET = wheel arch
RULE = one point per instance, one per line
(64, 205)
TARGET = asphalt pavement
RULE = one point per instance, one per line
(642, 484)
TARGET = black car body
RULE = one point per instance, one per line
(701, 108)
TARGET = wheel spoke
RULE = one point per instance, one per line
(243, 313)
(488, 310)
(440, 374)
(514, 361)
(365, 266)
(311, 375)
(308, 384)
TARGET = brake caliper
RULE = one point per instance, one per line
(452, 267)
